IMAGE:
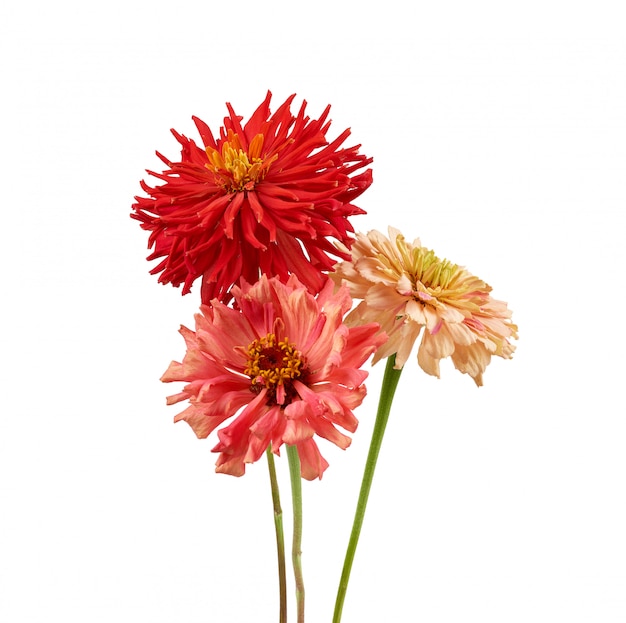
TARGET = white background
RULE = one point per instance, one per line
(498, 131)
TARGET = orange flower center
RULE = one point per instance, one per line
(235, 169)
(273, 365)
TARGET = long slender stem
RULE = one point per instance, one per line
(296, 551)
(387, 391)
(280, 537)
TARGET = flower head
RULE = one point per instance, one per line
(406, 288)
(265, 197)
(282, 363)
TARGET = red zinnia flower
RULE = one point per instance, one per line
(262, 198)
(284, 363)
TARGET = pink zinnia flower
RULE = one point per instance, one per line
(406, 288)
(283, 364)
(265, 197)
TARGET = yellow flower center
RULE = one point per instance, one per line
(235, 169)
(273, 365)
(433, 279)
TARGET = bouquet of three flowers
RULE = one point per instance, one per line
(260, 215)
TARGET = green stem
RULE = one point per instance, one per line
(296, 550)
(280, 538)
(387, 391)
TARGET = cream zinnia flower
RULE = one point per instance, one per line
(405, 287)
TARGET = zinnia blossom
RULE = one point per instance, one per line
(406, 288)
(266, 197)
(282, 363)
